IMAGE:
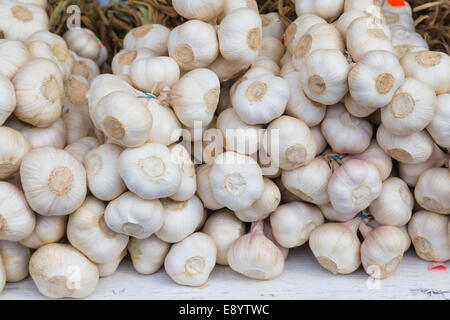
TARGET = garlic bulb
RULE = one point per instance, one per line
(376, 156)
(190, 261)
(336, 246)
(195, 97)
(17, 221)
(75, 90)
(344, 21)
(181, 219)
(399, 19)
(133, 216)
(167, 129)
(232, 5)
(382, 250)
(264, 206)
(319, 139)
(13, 55)
(13, 149)
(48, 229)
(150, 171)
(331, 214)
(88, 232)
(317, 37)
(255, 256)
(8, 103)
(415, 148)
(240, 35)
(367, 34)
(108, 268)
(394, 205)
(323, 76)
(272, 25)
(15, 258)
(266, 63)
(86, 44)
(102, 171)
(148, 254)
(44, 44)
(353, 186)
(204, 10)
(271, 48)
(122, 61)
(193, 44)
(293, 222)
(433, 189)
(429, 235)
(80, 148)
(84, 67)
(298, 28)
(18, 21)
(309, 182)
(289, 143)
(123, 118)
(204, 188)
(300, 106)
(150, 36)
(388, 7)
(59, 271)
(404, 49)
(439, 127)
(39, 88)
(326, 9)
(224, 228)
(53, 136)
(410, 173)
(226, 70)
(356, 109)
(345, 133)
(411, 108)
(430, 67)
(269, 235)
(374, 79)
(188, 184)
(54, 182)
(154, 74)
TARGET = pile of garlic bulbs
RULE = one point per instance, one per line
(227, 140)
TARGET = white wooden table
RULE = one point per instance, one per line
(302, 278)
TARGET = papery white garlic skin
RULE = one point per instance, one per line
(150, 36)
(225, 69)
(411, 109)
(15, 258)
(75, 90)
(332, 214)
(54, 182)
(13, 149)
(414, 148)
(190, 261)
(429, 236)
(84, 67)
(181, 219)
(52, 267)
(271, 48)
(39, 88)
(13, 55)
(272, 25)
(293, 222)
(166, 129)
(344, 21)
(79, 149)
(382, 251)
(374, 79)
(326, 9)
(356, 109)
(124, 118)
(432, 190)
(264, 206)
(8, 103)
(336, 246)
(122, 61)
(193, 45)
(108, 268)
(319, 139)
(48, 229)
(394, 204)
(353, 186)
(240, 35)
(255, 256)
(204, 188)
(269, 234)
(387, 7)
(236, 180)
(148, 254)
(195, 97)
(399, 19)
(188, 184)
(83, 42)
(154, 74)
(323, 75)
(344, 132)
(224, 228)
(289, 143)
(133, 216)
(309, 182)
(204, 10)
(102, 170)
(439, 127)
(232, 5)
(298, 28)
(18, 20)
(361, 5)
(150, 171)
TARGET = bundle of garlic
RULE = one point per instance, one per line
(227, 140)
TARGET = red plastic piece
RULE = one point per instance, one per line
(437, 266)
(282, 41)
(397, 3)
